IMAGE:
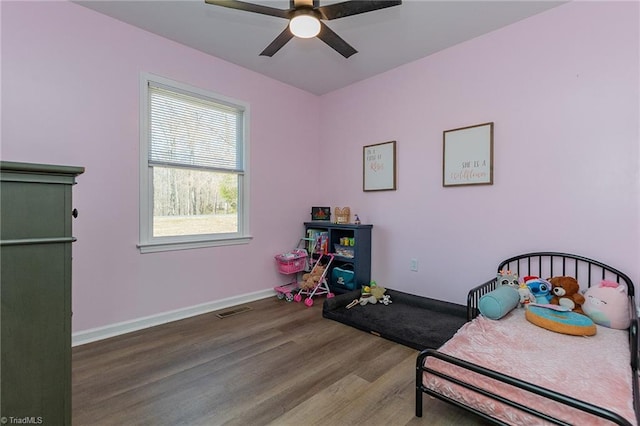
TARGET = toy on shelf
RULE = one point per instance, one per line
(343, 215)
(317, 242)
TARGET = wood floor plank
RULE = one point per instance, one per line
(279, 363)
(380, 401)
(334, 397)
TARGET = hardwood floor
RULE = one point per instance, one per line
(279, 363)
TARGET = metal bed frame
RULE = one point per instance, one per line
(542, 264)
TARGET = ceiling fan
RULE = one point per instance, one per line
(305, 19)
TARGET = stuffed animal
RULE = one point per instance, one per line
(506, 277)
(525, 294)
(372, 293)
(311, 279)
(541, 289)
(607, 304)
(566, 292)
(368, 299)
(378, 292)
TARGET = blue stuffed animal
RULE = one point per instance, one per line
(541, 290)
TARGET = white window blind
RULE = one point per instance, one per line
(188, 131)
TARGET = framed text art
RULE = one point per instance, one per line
(468, 156)
(379, 167)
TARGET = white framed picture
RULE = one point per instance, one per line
(467, 157)
(379, 167)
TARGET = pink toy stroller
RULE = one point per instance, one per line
(321, 287)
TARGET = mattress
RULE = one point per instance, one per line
(593, 369)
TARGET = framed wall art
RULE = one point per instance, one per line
(379, 167)
(467, 157)
(320, 213)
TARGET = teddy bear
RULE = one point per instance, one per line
(566, 292)
(311, 279)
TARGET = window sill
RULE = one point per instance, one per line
(184, 245)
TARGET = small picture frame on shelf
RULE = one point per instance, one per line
(321, 213)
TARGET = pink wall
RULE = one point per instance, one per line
(70, 96)
(562, 88)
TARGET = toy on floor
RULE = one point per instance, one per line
(315, 283)
(291, 263)
(371, 294)
(286, 291)
(368, 299)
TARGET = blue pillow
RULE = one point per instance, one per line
(499, 302)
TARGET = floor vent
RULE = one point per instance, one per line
(234, 311)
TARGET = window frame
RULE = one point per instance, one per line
(147, 242)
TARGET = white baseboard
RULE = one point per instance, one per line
(99, 333)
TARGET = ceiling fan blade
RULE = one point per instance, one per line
(250, 7)
(335, 42)
(277, 44)
(348, 8)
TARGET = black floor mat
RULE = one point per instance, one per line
(414, 321)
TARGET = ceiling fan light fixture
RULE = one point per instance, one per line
(304, 25)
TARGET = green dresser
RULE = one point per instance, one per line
(35, 292)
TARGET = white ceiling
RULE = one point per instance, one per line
(384, 38)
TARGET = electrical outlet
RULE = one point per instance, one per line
(413, 265)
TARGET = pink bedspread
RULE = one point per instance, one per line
(593, 369)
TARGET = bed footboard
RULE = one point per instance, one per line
(546, 393)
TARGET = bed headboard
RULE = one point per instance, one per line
(587, 271)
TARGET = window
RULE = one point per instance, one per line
(193, 177)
